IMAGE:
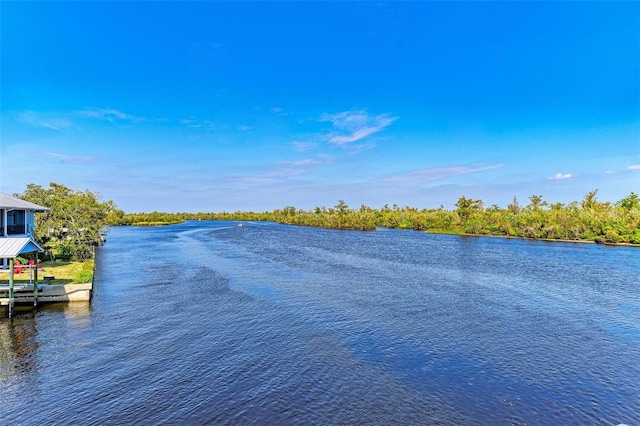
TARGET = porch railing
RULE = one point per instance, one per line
(14, 229)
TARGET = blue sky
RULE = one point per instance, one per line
(215, 106)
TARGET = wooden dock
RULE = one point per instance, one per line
(23, 294)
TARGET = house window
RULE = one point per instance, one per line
(15, 222)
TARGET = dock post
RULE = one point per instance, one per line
(11, 301)
(35, 281)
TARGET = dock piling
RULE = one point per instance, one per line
(34, 269)
(11, 298)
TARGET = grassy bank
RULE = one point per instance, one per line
(65, 272)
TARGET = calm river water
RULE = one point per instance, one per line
(212, 323)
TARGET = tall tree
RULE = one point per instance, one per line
(466, 206)
(630, 202)
(74, 223)
(536, 203)
(589, 201)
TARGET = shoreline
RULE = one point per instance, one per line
(549, 240)
(440, 232)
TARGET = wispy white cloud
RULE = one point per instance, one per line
(303, 146)
(276, 109)
(304, 162)
(106, 114)
(73, 158)
(297, 167)
(253, 179)
(560, 176)
(632, 168)
(196, 123)
(327, 159)
(287, 171)
(244, 128)
(64, 120)
(437, 173)
(352, 126)
(282, 170)
(53, 121)
(362, 147)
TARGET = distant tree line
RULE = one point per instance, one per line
(587, 220)
(75, 223)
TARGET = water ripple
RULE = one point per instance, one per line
(210, 323)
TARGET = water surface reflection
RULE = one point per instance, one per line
(269, 324)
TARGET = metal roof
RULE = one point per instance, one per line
(8, 202)
(12, 247)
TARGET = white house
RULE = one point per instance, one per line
(17, 225)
